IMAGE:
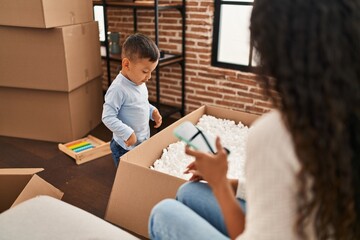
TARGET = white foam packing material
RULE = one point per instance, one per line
(174, 161)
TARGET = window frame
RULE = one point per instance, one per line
(215, 39)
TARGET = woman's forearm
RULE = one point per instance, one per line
(233, 215)
(234, 184)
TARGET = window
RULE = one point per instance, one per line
(231, 47)
(99, 17)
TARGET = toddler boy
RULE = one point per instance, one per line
(126, 111)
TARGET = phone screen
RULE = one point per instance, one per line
(196, 138)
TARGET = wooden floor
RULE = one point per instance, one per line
(86, 186)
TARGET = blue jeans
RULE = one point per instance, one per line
(194, 215)
(117, 151)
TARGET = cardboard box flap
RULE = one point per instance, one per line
(128, 196)
(145, 154)
(10, 187)
(35, 187)
(245, 118)
(20, 171)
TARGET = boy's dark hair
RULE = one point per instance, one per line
(140, 46)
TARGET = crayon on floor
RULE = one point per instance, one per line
(88, 144)
(72, 147)
(80, 149)
(83, 148)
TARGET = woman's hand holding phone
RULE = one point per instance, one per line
(210, 167)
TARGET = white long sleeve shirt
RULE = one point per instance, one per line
(127, 110)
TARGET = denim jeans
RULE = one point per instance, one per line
(194, 215)
(117, 151)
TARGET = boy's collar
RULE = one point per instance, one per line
(131, 82)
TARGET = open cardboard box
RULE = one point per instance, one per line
(20, 184)
(137, 188)
(59, 59)
(45, 13)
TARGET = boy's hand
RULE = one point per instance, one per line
(157, 118)
(132, 140)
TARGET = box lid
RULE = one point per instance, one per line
(20, 171)
(20, 184)
(36, 187)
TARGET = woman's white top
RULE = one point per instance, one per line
(271, 169)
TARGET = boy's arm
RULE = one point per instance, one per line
(155, 116)
(152, 108)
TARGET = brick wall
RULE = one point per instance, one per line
(205, 84)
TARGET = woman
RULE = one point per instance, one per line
(303, 158)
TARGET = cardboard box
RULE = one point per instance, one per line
(59, 59)
(137, 188)
(50, 115)
(20, 184)
(45, 13)
(85, 149)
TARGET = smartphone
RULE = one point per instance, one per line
(197, 139)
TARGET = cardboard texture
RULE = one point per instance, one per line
(98, 149)
(20, 184)
(45, 13)
(137, 188)
(59, 59)
(51, 115)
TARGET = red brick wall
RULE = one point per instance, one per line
(205, 84)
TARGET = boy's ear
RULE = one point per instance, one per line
(125, 62)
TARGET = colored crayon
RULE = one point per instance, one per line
(83, 148)
(78, 145)
(84, 145)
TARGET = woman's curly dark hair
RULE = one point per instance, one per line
(311, 50)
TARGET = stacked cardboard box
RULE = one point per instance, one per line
(50, 68)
